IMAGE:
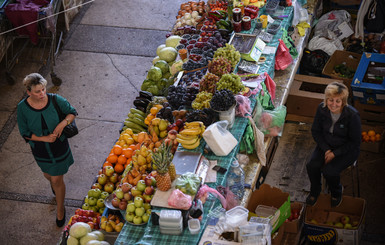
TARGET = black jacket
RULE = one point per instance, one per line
(346, 136)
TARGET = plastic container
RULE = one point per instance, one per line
(237, 216)
(265, 211)
(172, 216)
(194, 226)
(228, 115)
(236, 179)
(274, 27)
(271, 6)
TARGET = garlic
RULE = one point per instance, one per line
(187, 16)
(194, 14)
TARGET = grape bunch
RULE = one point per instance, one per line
(175, 96)
(219, 66)
(208, 83)
(189, 96)
(231, 82)
(222, 100)
(166, 112)
(207, 116)
(202, 100)
(230, 53)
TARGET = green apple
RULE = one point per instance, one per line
(145, 218)
(130, 216)
(139, 211)
(94, 208)
(148, 211)
(119, 193)
(146, 206)
(138, 220)
(101, 210)
(138, 201)
(345, 219)
(104, 195)
(97, 193)
(130, 208)
(348, 226)
(92, 201)
(100, 203)
(141, 185)
(85, 206)
(339, 225)
(86, 199)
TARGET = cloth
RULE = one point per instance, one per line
(302, 28)
(53, 158)
(23, 12)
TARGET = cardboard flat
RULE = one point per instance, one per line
(306, 93)
(274, 197)
(318, 231)
(374, 113)
(294, 225)
(377, 146)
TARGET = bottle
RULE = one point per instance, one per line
(236, 179)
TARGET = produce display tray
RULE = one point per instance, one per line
(185, 161)
(243, 42)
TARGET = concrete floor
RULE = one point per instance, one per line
(103, 62)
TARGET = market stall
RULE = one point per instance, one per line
(150, 232)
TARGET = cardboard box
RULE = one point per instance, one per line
(368, 83)
(347, 58)
(377, 146)
(375, 113)
(318, 228)
(306, 93)
(294, 225)
(273, 197)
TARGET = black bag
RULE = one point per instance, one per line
(374, 20)
(71, 129)
(313, 62)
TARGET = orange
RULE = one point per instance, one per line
(372, 138)
(107, 163)
(364, 133)
(371, 133)
(119, 168)
(127, 152)
(122, 159)
(112, 158)
(378, 137)
(154, 110)
(366, 138)
(117, 149)
(128, 160)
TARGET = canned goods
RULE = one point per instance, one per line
(246, 23)
(237, 14)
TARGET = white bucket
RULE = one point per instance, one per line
(228, 115)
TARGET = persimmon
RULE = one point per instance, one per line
(366, 138)
(117, 149)
(112, 158)
(122, 159)
(364, 133)
(119, 168)
(372, 138)
(371, 133)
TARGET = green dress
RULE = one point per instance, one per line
(53, 158)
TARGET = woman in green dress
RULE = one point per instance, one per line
(40, 126)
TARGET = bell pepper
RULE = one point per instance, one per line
(218, 14)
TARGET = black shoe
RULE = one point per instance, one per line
(336, 201)
(61, 222)
(311, 200)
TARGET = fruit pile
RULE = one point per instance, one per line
(138, 212)
(231, 82)
(175, 96)
(87, 216)
(94, 201)
(222, 100)
(343, 222)
(370, 136)
(202, 100)
(191, 135)
(135, 121)
(111, 223)
(219, 66)
(230, 53)
(82, 233)
(251, 11)
(207, 116)
(208, 83)
(192, 77)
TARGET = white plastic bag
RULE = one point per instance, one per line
(219, 139)
(327, 45)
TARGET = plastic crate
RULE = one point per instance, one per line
(271, 6)
(274, 27)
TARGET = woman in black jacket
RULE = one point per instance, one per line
(337, 131)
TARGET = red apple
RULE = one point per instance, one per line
(114, 177)
(97, 186)
(149, 190)
(108, 170)
(127, 196)
(123, 204)
(149, 180)
(126, 187)
(179, 123)
(115, 202)
(172, 134)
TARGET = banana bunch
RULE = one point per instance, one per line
(191, 135)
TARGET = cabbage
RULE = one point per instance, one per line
(167, 74)
(153, 89)
(168, 54)
(159, 48)
(163, 65)
(176, 67)
(79, 229)
(99, 234)
(147, 83)
(72, 241)
(154, 74)
(173, 41)
(155, 59)
(87, 238)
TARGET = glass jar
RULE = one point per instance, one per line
(246, 23)
(237, 26)
(237, 14)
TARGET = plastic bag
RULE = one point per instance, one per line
(243, 106)
(313, 61)
(325, 44)
(219, 139)
(270, 122)
(179, 200)
(188, 183)
(283, 57)
(330, 22)
(204, 192)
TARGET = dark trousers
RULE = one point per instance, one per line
(331, 171)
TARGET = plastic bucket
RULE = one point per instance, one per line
(228, 115)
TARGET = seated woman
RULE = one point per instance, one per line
(337, 131)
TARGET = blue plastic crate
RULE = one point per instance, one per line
(368, 83)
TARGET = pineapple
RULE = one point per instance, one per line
(161, 159)
(172, 172)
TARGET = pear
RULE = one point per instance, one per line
(163, 125)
